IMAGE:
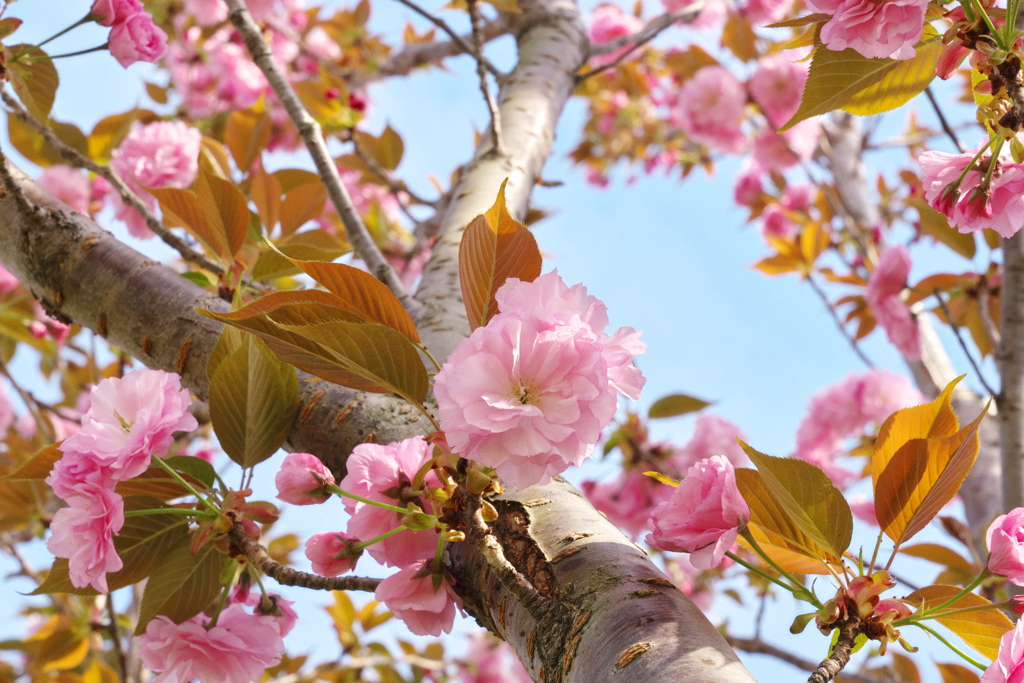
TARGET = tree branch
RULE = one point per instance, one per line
(839, 323)
(481, 71)
(841, 652)
(309, 130)
(758, 646)
(78, 160)
(468, 47)
(286, 576)
(640, 38)
(1010, 360)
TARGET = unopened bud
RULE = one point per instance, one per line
(477, 482)
(420, 521)
(488, 511)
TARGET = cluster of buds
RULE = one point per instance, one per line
(861, 603)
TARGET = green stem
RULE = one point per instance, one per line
(874, 555)
(799, 587)
(181, 480)
(427, 353)
(998, 37)
(375, 503)
(98, 48)
(966, 657)
(378, 539)
(949, 613)
(743, 563)
(224, 597)
(168, 511)
(84, 20)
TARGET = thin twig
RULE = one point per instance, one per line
(75, 158)
(475, 20)
(960, 340)
(115, 636)
(942, 120)
(986, 315)
(286, 576)
(758, 646)
(44, 425)
(309, 130)
(396, 187)
(839, 323)
(639, 39)
(459, 40)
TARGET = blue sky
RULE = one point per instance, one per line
(670, 258)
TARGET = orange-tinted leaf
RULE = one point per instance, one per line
(301, 205)
(182, 208)
(35, 79)
(922, 476)
(775, 531)
(266, 192)
(494, 248)
(246, 134)
(935, 419)
(981, 629)
(225, 210)
(954, 673)
(38, 466)
(809, 498)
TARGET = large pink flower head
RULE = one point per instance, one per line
(778, 151)
(1002, 209)
(711, 108)
(237, 650)
(1009, 664)
(84, 532)
(137, 39)
(885, 286)
(607, 23)
(67, 184)
(374, 470)
(703, 515)
(130, 420)
(876, 29)
(777, 86)
(425, 608)
(489, 660)
(1005, 540)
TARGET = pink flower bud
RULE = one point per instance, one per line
(332, 553)
(112, 12)
(302, 479)
(1005, 540)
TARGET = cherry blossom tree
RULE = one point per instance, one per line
(419, 363)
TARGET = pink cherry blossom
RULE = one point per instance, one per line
(763, 12)
(628, 500)
(798, 196)
(777, 86)
(8, 283)
(885, 29)
(703, 515)
(130, 420)
(711, 106)
(157, 155)
(525, 400)
(748, 187)
(549, 301)
(712, 435)
(7, 417)
(271, 608)
(237, 650)
(331, 553)
(110, 12)
(711, 14)
(489, 660)
(607, 23)
(885, 286)
(1002, 210)
(67, 184)
(137, 39)
(1009, 664)
(863, 508)
(778, 151)
(301, 480)
(373, 469)
(83, 533)
(1005, 540)
(775, 223)
(207, 12)
(319, 43)
(426, 609)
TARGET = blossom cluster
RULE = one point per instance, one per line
(130, 420)
(133, 35)
(875, 30)
(529, 392)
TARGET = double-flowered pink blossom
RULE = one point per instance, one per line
(1005, 540)
(883, 294)
(156, 155)
(529, 393)
(130, 420)
(426, 607)
(70, 185)
(843, 410)
(608, 22)
(712, 435)
(628, 500)
(207, 12)
(301, 480)
(133, 35)
(703, 515)
(778, 151)
(711, 107)
(489, 660)
(1009, 664)
(332, 553)
(777, 86)
(968, 208)
(874, 29)
(83, 533)
(237, 650)
(385, 474)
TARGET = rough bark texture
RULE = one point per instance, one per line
(1010, 358)
(612, 616)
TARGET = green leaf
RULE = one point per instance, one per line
(198, 279)
(197, 468)
(182, 585)
(254, 399)
(35, 78)
(809, 497)
(848, 80)
(676, 404)
(141, 544)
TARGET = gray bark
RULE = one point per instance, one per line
(1010, 359)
